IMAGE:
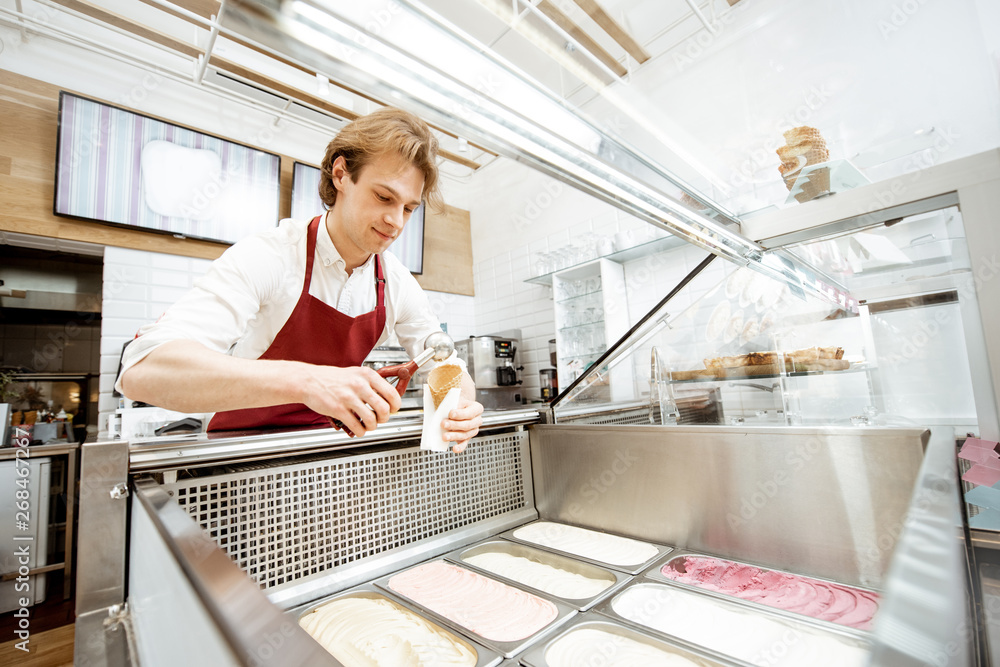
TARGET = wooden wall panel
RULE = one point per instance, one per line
(30, 112)
(448, 252)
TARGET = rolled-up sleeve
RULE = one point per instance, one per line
(218, 310)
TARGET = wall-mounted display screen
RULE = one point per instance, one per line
(120, 167)
(306, 204)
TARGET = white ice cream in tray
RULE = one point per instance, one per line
(622, 553)
(576, 582)
(363, 627)
(759, 637)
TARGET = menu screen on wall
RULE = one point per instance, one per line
(306, 204)
(120, 167)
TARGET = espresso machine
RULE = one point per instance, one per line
(492, 362)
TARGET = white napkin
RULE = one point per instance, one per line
(432, 437)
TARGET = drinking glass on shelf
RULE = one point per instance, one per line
(543, 263)
(562, 291)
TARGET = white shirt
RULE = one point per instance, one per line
(242, 302)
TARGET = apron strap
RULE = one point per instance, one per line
(379, 283)
(310, 253)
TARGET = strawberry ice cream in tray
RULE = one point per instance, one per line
(821, 600)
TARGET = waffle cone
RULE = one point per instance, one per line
(443, 379)
(801, 134)
(814, 184)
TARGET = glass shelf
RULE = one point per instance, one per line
(855, 368)
(577, 327)
(590, 355)
(578, 296)
(619, 256)
(821, 180)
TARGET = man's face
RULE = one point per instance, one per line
(372, 209)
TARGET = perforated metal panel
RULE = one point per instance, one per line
(638, 416)
(286, 522)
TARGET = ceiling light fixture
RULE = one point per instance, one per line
(322, 85)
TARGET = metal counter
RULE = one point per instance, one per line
(831, 503)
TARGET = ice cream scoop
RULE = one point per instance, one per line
(438, 346)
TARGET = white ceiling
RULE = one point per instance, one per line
(709, 105)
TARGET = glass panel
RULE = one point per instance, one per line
(735, 346)
(891, 87)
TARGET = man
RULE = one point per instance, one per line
(275, 333)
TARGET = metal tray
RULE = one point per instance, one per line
(485, 657)
(795, 621)
(552, 559)
(506, 649)
(536, 655)
(653, 572)
(628, 569)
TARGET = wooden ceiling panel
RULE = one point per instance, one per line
(610, 26)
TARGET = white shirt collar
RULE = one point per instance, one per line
(328, 252)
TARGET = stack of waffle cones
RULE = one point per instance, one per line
(443, 379)
(805, 146)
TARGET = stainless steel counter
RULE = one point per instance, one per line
(834, 503)
(176, 452)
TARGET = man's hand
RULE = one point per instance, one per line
(357, 396)
(462, 423)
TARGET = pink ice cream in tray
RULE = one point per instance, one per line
(822, 600)
(499, 615)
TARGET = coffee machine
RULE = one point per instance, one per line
(492, 362)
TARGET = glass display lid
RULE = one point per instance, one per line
(879, 338)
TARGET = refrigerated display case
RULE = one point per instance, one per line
(891, 341)
(824, 458)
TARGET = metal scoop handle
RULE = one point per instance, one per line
(403, 372)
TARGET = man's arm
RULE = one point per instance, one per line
(186, 376)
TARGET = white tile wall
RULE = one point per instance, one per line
(138, 287)
(456, 312)
(518, 214)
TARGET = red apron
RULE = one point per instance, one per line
(315, 333)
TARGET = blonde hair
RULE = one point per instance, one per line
(386, 131)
